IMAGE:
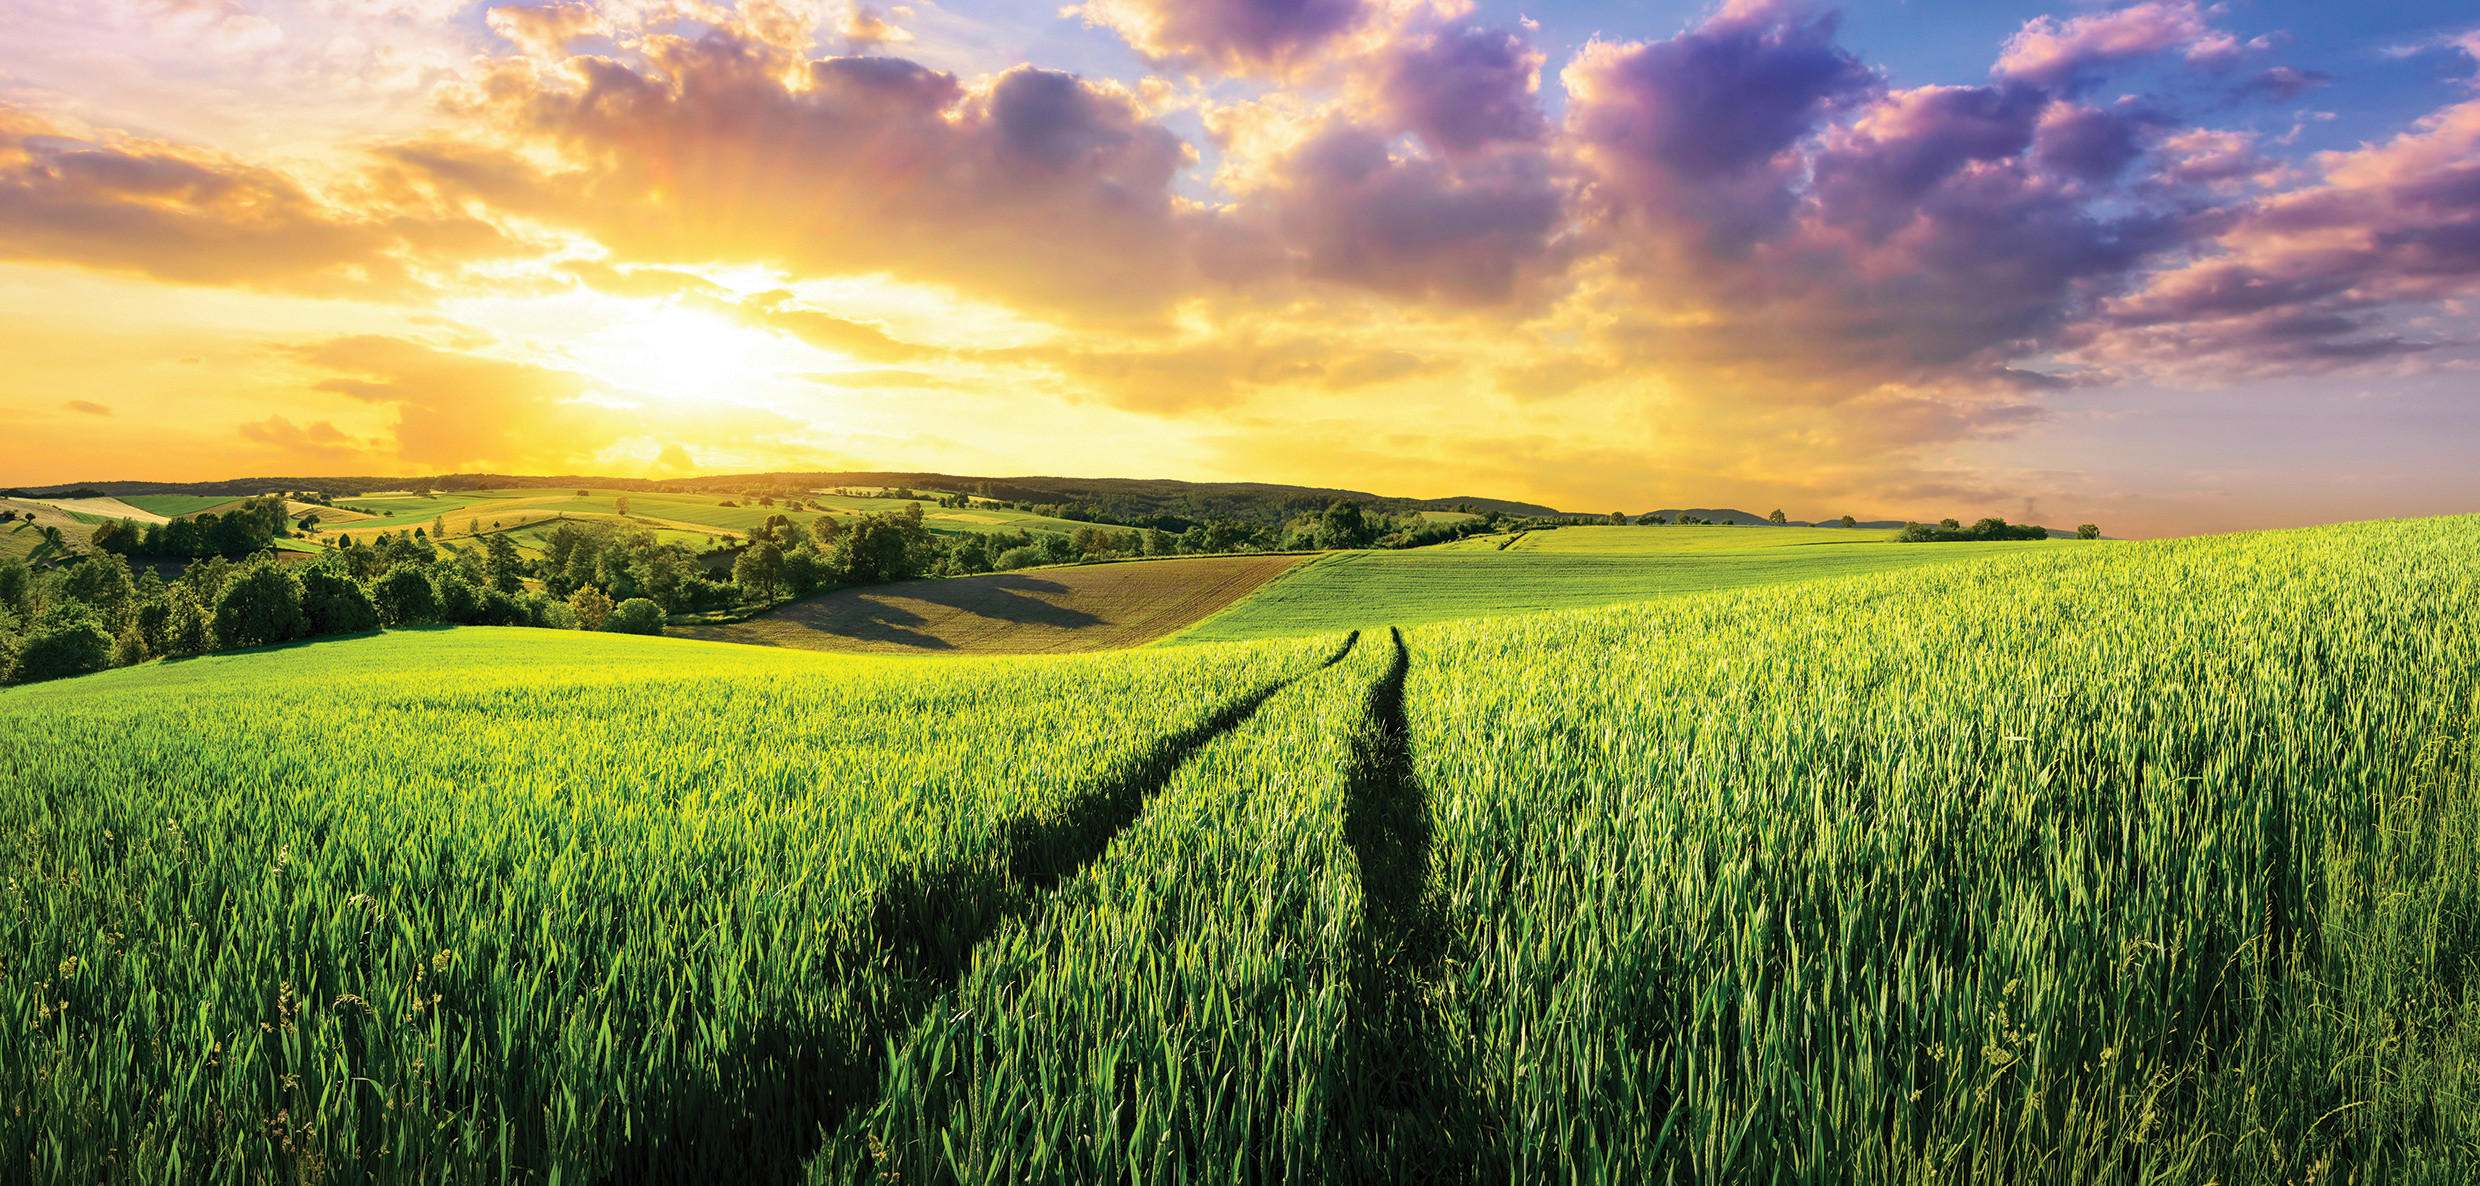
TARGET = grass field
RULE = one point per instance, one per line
(1571, 568)
(2141, 863)
(174, 506)
(1050, 610)
(1665, 541)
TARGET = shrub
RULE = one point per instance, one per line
(406, 597)
(459, 601)
(1024, 557)
(635, 616)
(590, 607)
(262, 605)
(65, 641)
(336, 603)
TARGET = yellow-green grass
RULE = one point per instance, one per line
(174, 506)
(1353, 590)
(1650, 541)
(543, 911)
(2146, 863)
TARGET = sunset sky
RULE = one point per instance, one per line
(2170, 267)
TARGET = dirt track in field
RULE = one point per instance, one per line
(1090, 608)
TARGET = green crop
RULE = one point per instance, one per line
(2147, 863)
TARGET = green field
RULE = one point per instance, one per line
(1663, 541)
(1570, 568)
(2134, 863)
(176, 505)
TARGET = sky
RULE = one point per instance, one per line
(2170, 267)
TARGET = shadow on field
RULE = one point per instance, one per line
(792, 1083)
(1404, 1117)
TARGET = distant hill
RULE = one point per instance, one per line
(1121, 499)
(1163, 501)
(1737, 517)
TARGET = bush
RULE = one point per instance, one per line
(1024, 557)
(590, 607)
(548, 612)
(406, 597)
(459, 601)
(262, 605)
(635, 616)
(336, 603)
(186, 633)
(65, 641)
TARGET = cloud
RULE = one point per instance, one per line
(863, 28)
(1467, 231)
(321, 440)
(884, 377)
(545, 30)
(455, 409)
(1691, 139)
(675, 458)
(1043, 190)
(2309, 278)
(86, 407)
(2070, 53)
(855, 339)
(1229, 36)
(1464, 88)
(193, 217)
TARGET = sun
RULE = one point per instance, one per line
(683, 355)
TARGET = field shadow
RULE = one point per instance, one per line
(1405, 1117)
(792, 1083)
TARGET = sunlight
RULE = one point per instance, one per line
(685, 355)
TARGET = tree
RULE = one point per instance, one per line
(187, 632)
(2087, 531)
(590, 606)
(335, 603)
(1848, 521)
(1778, 518)
(1342, 526)
(405, 596)
(65, 640)
(16, 586)
(1651, 520)
(262, 605)
(1950, 525)
(635, 616)
(1618, 518)
(621, 504)
(760, 570)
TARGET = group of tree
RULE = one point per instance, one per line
(240, 531)
(1950, 531)
(90, 613)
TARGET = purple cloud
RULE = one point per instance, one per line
(1698, 129)
(2069, 53)
(1233, 36)
(1464, 89)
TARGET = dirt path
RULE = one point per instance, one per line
(1091, 608)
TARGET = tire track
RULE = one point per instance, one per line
(792, 1084)
(1405, 1117)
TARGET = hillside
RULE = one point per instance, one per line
(2094, 856)
(1045, 610)
(1570, 568)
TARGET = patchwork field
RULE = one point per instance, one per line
(1084, 608)
(1570, 568)
(2145, 863)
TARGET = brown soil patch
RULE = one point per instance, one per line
(1053, 610)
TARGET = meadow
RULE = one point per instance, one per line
(2128, 863)
(1569, 568)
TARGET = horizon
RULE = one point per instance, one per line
(2168, 267)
